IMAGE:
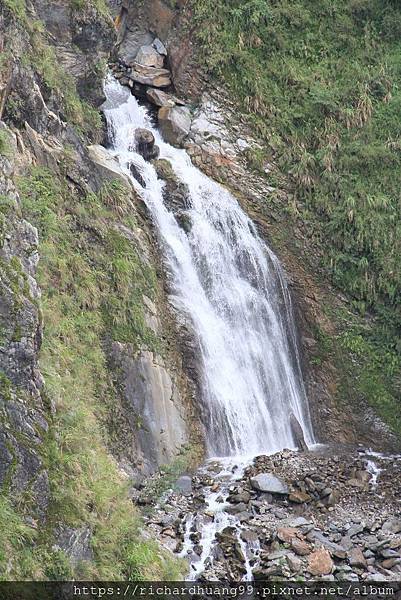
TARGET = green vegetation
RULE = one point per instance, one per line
(93, 281)
(321, 83)
(82, 5)
(43, 59)
(5, 145)
(17, 8)
(367, 372)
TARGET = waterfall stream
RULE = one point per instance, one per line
(231, 288)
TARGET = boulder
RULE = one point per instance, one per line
(107, 166)
(299, 497)
(153, 76)
(175, 123)
(356, 558)
(145, 144)
(286, 534)
(267, 482)
(148, 56)
(175, 192)
(159, 46)
(392, 525)
(184, 485)
(320, 562)
(300, 547)
(294, 563)
(159, 98)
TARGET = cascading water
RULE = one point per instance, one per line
(232, 288)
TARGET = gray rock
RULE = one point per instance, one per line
(267, 482)
(145, 144)
(184, 484)
(159, 46)
(236, 508)
(159, 98)
(356, 558)
(392, 525)
(175, 123)
(150, 392)
(148, 56)
(355, 530)
(297, 433)
(335, 549)
(108, 166)
(76, 543)
(299, 522)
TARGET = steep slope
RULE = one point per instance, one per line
(87, 338)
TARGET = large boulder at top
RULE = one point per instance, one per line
(149, 57)
(175, 123)
(153, 76)
(145, 144)
(267, 482)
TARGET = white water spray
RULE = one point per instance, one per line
(231, 288)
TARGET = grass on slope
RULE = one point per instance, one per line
(93, 281)
(321, 82)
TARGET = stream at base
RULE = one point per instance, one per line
(236, 524)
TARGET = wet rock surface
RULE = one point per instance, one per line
(331, 518)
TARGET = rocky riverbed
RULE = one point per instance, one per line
(332, 514)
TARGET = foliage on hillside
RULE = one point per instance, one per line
(321, 82)
(92, 281)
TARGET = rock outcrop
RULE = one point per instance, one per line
(23, 417)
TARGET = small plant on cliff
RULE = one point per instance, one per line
(5, 146)
(16, 8)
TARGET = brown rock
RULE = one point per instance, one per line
(320, 562)
(356, 558)
(286, 534)
(300, 547)
(389, 563)
(159, 98)
(150, 76)
(149, 57)
(299, 497)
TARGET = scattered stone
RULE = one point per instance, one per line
(320, 562)
(300, 547)
(356, 558)
(267, 482)
(159, 47)
(286, 534)
(299, 497)
(392, 525)
(389, 563)
(299, 522)
(294, 562)
(184, 484)
(355, 530)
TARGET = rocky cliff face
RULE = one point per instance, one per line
(105, 397)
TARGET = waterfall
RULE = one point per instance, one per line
(231, 288)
